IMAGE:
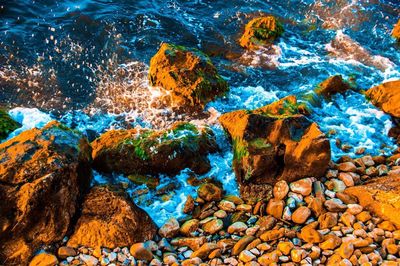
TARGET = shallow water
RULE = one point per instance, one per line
(85, 63)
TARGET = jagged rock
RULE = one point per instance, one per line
(110, 219)
(386, 96)
(332, 85)
(7, 124)
(188, 75)
(396, 31)
(154, 152)
(261, 31)
(380, 196)
(44, 259)
(275, 142)
(43, 174)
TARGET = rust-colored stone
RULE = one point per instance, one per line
(386, 96)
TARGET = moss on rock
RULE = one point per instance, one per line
(7, 124)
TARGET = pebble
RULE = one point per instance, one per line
(140, 252)
(169, 229)
(280, 190)
(275, 208)
(227, 206)
(302, 186)
(335, 205)
(301, 214)
(246, 256)
(44, 259)
(237, 228)
(88, 260)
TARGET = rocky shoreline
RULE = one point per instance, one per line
(295, 207)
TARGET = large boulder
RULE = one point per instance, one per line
(261, 31)
(386, 96)
(154, 152)
(43, 174)
(7, 124)
(188, 76)
(332, 85)
(272, 143)
(110, 219)
(396, 31)
(380, 196)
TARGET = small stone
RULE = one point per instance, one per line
(298, 255)
(392, 249)
(302, 186)
(331, 242)
(226, 205)
(275, 208)
(328, 220)
(310, 235)
(189, 227)
(220, 214)
(268, 259)
(169, 229)
(216, 253)
(244, 207)
(251, 231)
(155, 262)
(367, 160)
(347, 167)
(347, 179)
(335, 205)
(231, 261)
(140, 252)
(285, 247)
(241, 244)
(348, 219)
(273, 234)
(209, 192)
(280, 190)
(354, 208)
(64, 252)
(332, 173)
(204, 250)
(246, 256)
(346, 250)
(189, 205)
(338, 185)
(301, 214)
(364, 216)
(237, 228)
(193, 261)
(44, 259)
(287, 214)
(88, 260)
(315, 253)
(387, 226)
(213, 226)
(170, 259)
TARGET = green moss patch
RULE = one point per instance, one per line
(7, 124)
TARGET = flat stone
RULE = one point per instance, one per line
(237, 228)
(141, 252)
(44, 259)
(301, 214)
(241, 244)
(302, 186)
(204, 250)
(169, 229)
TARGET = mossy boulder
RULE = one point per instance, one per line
(7, 124)
(43, 176)
(386, 96)
(396, 31)
(261, 31)
(110, 219)
(272, 143)
(332, 85)
(188, 75)
(149, 152)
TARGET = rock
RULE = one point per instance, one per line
(204, 250)
(209, 192)
(189, 205)
(44, 259)
(298, 255)
(310, 235)
(387, 226)
(170, 228)
(272, 143)
(364, 216)
(354, 208)
(194, 243)
(348, 219)
(189, 227)
(213, 226)
(150, 181)
(43, 175)
(275, 208)
(302, 186)
(347, 167)
(246, 256)
(386, 97)
(141, 252)
(110, 219)
(227, 205)
(281, 189)
(301, 214)
(261, 31)
(285, 247)
(150, 152)
(335, 205)
(7, 124)
(268, 259)
(316, 205)
(237, 227)
(271, 235)
(88, 260)
(64, 252)
(347, 179)
(332, 85)
(346, 250)
(396, 31)
(331, 242)
(381, 196)
(328, 220)
(241, 245)
(187, 75)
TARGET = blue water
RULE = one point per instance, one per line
(85, 63)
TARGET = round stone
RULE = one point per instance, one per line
(280, 190)
(301, 214)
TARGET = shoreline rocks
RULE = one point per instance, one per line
(7, 124)
(188, 75)
(386, 96)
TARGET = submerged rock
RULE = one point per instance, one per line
(332, 85)
(154, 152)
(386, 96)
(396, 31)
(7, 124)
(275, 142)
(43, 173)
(110, 219)
(188, 76)
(380, 196)
(261, 31)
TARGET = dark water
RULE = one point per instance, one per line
(85, 62)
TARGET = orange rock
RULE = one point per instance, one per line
(109, 219)
(310, 235)
(396, 31)
(44, 259)
(328, 220)
(275, 208)
(380, 196)
(386, 96)
(301, 214)
(260, 31)
(274, 143)
(43, 174)
(188, 76)
(332, 85)
(281, 189)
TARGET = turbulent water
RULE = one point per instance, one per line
(85, 63)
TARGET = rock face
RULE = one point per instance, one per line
(188, 75)
(380, 196)
(153, 152)
(275, 142)
(396, 31)
(110, 219)
(386, 96)
(7, 124)
(261, 31)
(43, 173)
(332, 85)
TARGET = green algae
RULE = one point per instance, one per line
(7, 124)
